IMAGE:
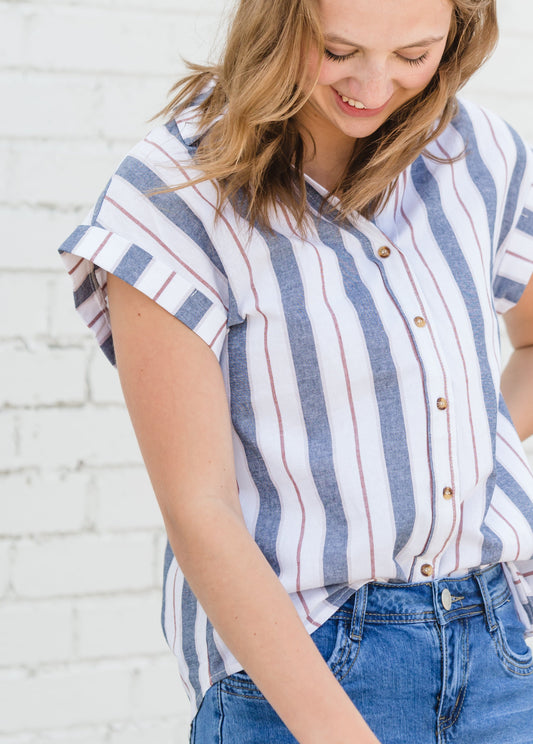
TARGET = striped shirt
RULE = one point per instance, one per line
(362, 365)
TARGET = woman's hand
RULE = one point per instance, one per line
(177, 401)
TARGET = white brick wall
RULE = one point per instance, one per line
(82, 659)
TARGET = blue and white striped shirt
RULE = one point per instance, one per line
(362, 365)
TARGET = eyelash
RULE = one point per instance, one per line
(342, 57)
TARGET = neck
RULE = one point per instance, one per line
(325, 160)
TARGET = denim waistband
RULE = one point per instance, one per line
(439, 600)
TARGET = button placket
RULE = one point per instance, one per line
(416, 309)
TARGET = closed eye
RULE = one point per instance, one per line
(338, 57)
(417, 60)
(342, 57)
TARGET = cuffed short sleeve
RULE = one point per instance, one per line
(514, 260)
(157, 242)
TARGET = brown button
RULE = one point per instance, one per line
(442, 404)
(427, 569)
(447, 493)
(420, 322)
(384, 251)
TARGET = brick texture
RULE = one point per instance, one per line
(82, 657)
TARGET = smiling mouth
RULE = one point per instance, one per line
(356, 105)
(352, 102)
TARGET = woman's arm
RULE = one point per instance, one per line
(177, 402)
(517, 377)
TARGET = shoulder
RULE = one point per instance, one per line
(163, 158)
(155, 181)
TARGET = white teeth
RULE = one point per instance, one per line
(351, 102)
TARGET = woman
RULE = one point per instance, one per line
(301, 270)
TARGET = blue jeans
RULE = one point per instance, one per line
(442, 661)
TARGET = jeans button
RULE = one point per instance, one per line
(446, 599)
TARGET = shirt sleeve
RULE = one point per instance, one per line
(157, 242)
(514, 259)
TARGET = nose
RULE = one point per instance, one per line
(371, 84)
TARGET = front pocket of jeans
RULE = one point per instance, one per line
(511, 646)
(337, 648)
(242, 685)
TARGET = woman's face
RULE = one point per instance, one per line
(379, 54)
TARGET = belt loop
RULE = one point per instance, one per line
(437, 603)
(487, 601)
(359, 612)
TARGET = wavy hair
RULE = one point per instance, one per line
(252, 146)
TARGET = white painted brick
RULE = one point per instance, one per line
(515, 17)
(72, 436)
(85, 735)
(43, 502)
(167, 731)
(31, 235)
(151, 732)
(495, 75)
(18, 739)
(38, 104)
(9, 458)
(35, 633)
(104, 383)
(156, 6)
(129, 102)
(23, 305)
(73, 696)
(43, 377)
(5, 567)
(44, 172)
(65, 325)
(93, 735)
(13, 36)
(120, 626)
(124, 500)
(84, 564)
(6, 166)
(159, 691)
(138, 42)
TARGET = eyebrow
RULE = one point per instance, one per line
(423, 42)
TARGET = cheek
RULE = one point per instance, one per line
(423, 76)
(418, 79)
(321, 70)
(313, 67)
(331, 72)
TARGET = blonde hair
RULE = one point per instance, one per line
(252, 146)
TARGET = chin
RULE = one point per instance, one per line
(363, 129)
